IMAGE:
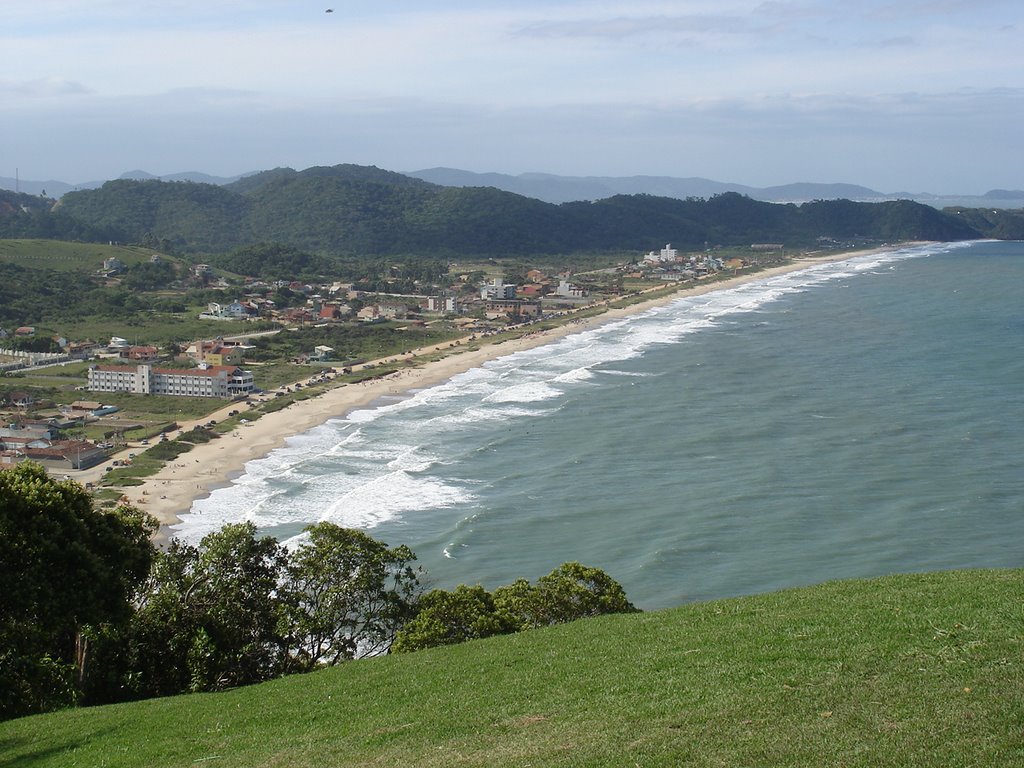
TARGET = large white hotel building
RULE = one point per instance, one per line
(225, 381)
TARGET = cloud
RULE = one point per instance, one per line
(623, 27)
(42, 88)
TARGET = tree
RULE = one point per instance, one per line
(446, 618)
(347, 594)
(209, 617)
(66, 570)
(571, 591)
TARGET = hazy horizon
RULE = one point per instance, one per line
(916, 96)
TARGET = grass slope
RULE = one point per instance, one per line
(68, 256)
(920, 670)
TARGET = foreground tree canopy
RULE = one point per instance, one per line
(64, 567)
(91, 612)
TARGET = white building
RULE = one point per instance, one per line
(224, 381)
(568, 290)
(497, 290)
(442, 304)
(668, 253)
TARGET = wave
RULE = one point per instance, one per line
(388, 462)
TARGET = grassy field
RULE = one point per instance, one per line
(69, 257)
(921, 670)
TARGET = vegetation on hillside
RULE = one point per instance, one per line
(996, 223)
(350, 210)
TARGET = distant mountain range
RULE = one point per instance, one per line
(564, 189)
(552, 188)
(57, 189)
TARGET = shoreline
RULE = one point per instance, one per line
(170, 493)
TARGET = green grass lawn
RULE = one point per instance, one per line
(920, 670)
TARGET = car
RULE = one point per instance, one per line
(143, 442)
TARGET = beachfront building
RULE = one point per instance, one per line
(223, 381)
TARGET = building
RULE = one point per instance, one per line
(668, 253)
(29, 430)
(568, 290)
(66, 455)
(236, 310)
(442, 304)
(144, 353)
(216, 352)
(512, 308)
(223, 381)
(113, 265)
(496, 289)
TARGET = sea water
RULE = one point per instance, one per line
(852, 419)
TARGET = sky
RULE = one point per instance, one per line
(896, 95)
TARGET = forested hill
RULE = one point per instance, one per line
(359, 210)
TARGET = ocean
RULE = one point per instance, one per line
(852, 419)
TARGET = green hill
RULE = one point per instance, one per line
(918, 670)
(358, 210)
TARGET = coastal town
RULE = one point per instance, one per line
(102, 423)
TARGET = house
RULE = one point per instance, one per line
(215, 311)
(29, 430)
(22, 400)
(369, 314)
(568, 290)
(511, 308)
(297, 315)
(113, 266)
(145, 353)
(216, 352)
(321, 353)
(223, 354)
(86, 406)
(391, 311)
(25, 331)
(67, 455)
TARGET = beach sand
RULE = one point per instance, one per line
(193, 475)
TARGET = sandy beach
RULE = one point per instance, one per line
(193, 475)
